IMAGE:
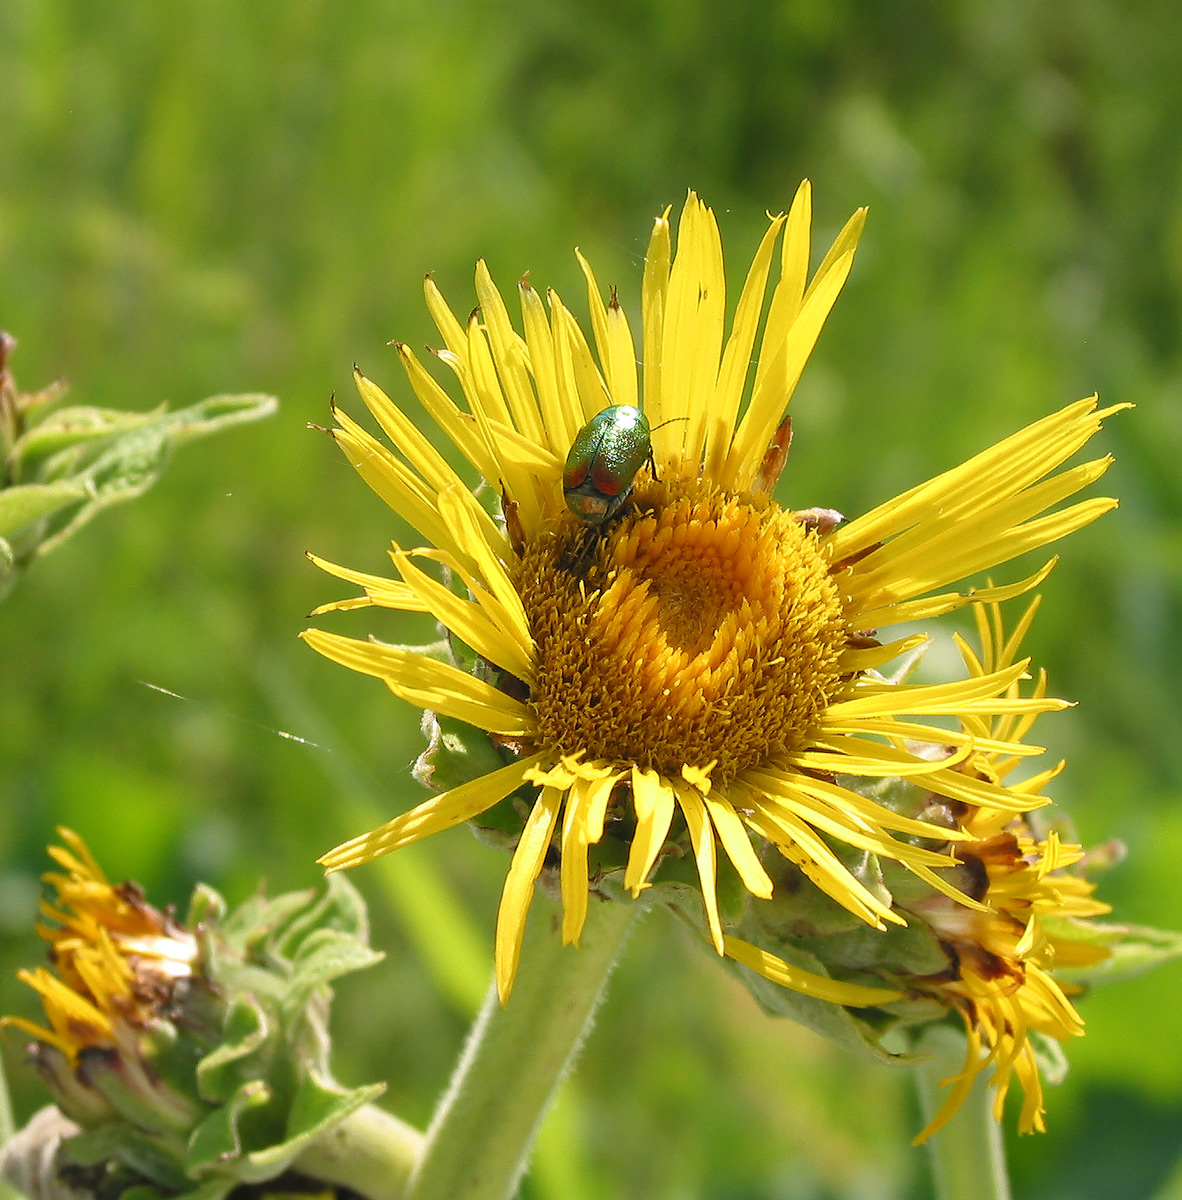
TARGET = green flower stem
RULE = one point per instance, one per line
(480, 1139)
(968, 1155)
(371, 1152)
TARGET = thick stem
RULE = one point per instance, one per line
(371, 1152)
(968, 1155)
(484, 1128)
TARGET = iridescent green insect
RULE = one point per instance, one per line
(603, 462)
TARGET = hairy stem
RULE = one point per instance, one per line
(480, 1139)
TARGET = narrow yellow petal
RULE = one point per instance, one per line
(845, 243)
(509, 356)
(518, 891)
(788, 294)
(935, 606)
(927, 698)
(405, 435)
(695, 309)
(576, 365)
(468, 622)
(386, 593)
(598, 312)
(784, 829)
(623, 380)
(771, 966)
(562, 417)
(770, 397)
(738, 847)
(1003, 469)
(573, 869)
(702, 840)
(427, 683)
(654, 290)
(459, 427)
(462, 512)
(393, 481)
(962, 1084)
(432, 816)
(445, 320)
(652, 799)
(736, 357)
(851, 806)
(599, 791)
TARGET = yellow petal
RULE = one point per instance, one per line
(427, 683)
(653, 292)
(738, 847)
(562, 415)
(518, 891)
(466, 620)
(386, 593)
(573, 869)
(702, 840)
(736, 357)
(459, 427)
(770, 966)
(508, 349)
(652, 799)
(441, 812)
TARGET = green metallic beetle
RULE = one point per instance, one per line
(603, 462)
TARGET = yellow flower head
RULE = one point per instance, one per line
(116, 957)
(1001, 982)
(700, 667)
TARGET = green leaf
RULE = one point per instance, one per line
(339, 907)
(318, 1106)
(457, 753)
(28, 503)
(831, 1021)
(155, 1158)
(246, 1030)
(215, 414)
(70, 427)
(216, 1141)
(207, 908)
(8, 571)
(1133, 949)
(324, 956)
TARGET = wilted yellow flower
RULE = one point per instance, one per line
(115, 957)
(1001, 983)
(699, 668)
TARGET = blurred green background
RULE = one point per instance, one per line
(213, 197)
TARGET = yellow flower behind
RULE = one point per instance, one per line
(1002, 986)
(115, 957)
(999, 955)
(699, 669)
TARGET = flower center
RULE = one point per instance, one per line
(700, 627)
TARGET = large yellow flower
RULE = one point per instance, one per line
(700, 668)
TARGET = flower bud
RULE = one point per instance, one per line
(192, 1057)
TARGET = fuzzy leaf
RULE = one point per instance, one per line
(221, 1071)
(151, 1157)
(317, 1107)
(217, 1140)
(831, 1021)
(74, 427)
(1133, 949)
(457, 753)
(339, 908)
(28, 503)
(324, 956)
